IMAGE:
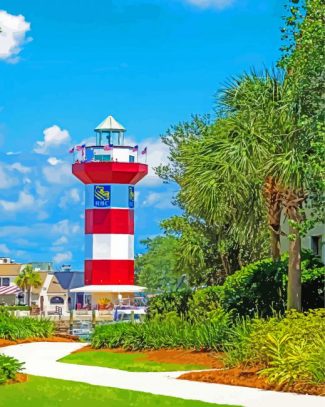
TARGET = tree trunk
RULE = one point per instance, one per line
(272, 197)
(29, 297)
(275, 244)
(294, 271)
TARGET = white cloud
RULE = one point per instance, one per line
(62, 257)
(160, 200)
(58, 174)
(6, 181)
(157, 153)
(217, 4)
(20, 168)
(65, 227)
(53, 161)
(41, 190)
(4, 249)
(27, 180)
(13, 152)
(71, 196)
(25, 201)
(61, 241)
(54, 137)
(12, 35)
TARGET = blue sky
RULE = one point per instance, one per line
(66, 65)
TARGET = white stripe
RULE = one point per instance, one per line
(109, 247)
(9, 290)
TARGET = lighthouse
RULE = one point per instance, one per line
(109, 170)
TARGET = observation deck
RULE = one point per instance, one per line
(109, 164)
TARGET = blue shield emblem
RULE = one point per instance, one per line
(131, 197)
(102, 196)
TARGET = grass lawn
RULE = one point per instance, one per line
(125, 361)
(44, 392)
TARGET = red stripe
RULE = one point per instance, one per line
(109, 172)
(109, 272)
(108, 221)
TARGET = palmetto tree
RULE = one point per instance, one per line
(258, 156)
(27, 280)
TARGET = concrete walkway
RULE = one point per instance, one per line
(41, 360)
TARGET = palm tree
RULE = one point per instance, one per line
(258, 156)
(27, 280)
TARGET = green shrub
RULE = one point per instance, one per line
(261, 287)
(203, 302)
(13, 328)
(9, 367)
(15, 308)
(170, 332)
(165, 303)
(290, 348)
(258, 288)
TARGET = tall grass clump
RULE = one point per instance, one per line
(170, 332)
(288, 349)
(13, 328)
(9, 367)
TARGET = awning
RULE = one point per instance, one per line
(9, 290)
(108, 289)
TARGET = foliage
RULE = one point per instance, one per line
(155, 269)
(43, 391)
(261, 287)
(303, 53)
(207, 254)
(27, 280)
(14, 308)
(13, 328)
(208, 250)
(170, 332)
(204, 303)
(164, 303)
(289, 348)
(9, 367)
(132, 362)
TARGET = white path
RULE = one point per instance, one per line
(41, 359)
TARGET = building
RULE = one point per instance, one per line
(70, 280)
(314, 240)
(9, 292)
(47, 297)
(110, 170)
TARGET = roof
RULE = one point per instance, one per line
(43, 275)
(9, 290)
(109, 289)
(55, 287)
(70, 279)
(109, 124)
(10, 269)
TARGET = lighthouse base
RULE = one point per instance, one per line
(107, 296)
(109, 289)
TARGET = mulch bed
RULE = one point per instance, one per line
(68, 338)
(208, 360)
(20, 378)
(248, 377)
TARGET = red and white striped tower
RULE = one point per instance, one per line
(109, 171)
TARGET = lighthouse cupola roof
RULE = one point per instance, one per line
(110, 124)
(111, 130)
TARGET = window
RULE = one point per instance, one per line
(102, 157)
(131, 158)
(316, 245)
(57, 300)
(5, 281)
